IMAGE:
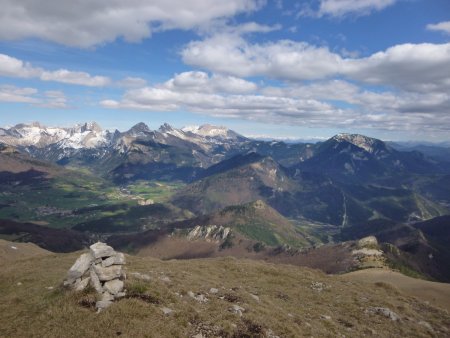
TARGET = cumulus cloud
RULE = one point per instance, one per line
(48, 99)
(86, 23)
(421, 67)
(12, 67)
(222, 96)
(440, 27)
(339, 8)
(325, 103)
(195, 81)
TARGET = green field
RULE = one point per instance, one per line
(76, 197)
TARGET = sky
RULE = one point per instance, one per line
(264, 68)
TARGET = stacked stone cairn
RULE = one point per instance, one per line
(101, 268)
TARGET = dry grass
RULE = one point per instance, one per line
(437, 294)
(288, 305)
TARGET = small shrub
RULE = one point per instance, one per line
(257, 247)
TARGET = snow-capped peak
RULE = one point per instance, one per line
(87, 135)
(208, 130)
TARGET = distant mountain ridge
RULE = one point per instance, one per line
(346, 180)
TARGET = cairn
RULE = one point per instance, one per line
(101, 268)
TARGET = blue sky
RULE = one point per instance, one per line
(297, 69)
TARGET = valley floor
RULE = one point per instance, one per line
(213, 297)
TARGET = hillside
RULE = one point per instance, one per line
(257, 221)
(215, 297)
(10, 252)
(438, 294)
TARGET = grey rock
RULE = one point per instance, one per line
(383, 311)
(166, 311)
(81, 284)
(95, 282)
(213, 290)
(237, 309)
(118, 259)
(106, 296)
(165, 279)
(317, 286)
(79, 268)
(108, 273)
(100, 250)
(255, 297)
(114, 286)
(120, 295)
(199, 298)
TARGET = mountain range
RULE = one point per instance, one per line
(143, 183)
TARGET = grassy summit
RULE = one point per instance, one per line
(215, 297)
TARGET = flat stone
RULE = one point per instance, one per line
(106, 296)
(80, 285)
(80, 267)
(213, 290)
(95, 282)
(118, 259)
(108, 273)
(114, 286)
(100, 250)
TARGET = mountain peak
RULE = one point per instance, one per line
(369, 144)
(208, 130)
(140, 127)
(91, 126)
(166, 128)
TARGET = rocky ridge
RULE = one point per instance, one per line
(101, 268)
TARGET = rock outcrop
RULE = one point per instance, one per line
(209, 233)
(101, 268)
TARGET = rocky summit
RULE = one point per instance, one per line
(102, 269)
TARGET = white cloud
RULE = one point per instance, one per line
(420, 67)
(440, 27)
(16, 94)
(12, 67)
(132, 82)
(55, 99)
(329, 103)
(202, 82)
(340, 8)
(78, 78)
(49, 99)
(222, 96)
(86, 23)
